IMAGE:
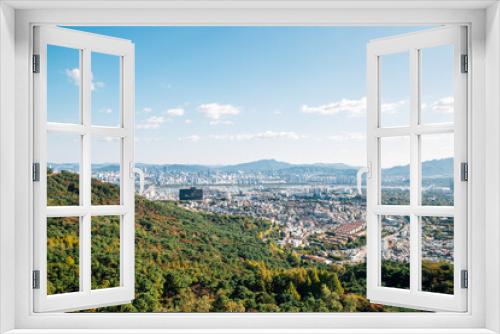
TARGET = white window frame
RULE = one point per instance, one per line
(16, 21)
(85, 44)
(411, 44)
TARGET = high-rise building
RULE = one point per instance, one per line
(191, 194)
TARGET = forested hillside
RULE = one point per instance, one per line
(198, 262)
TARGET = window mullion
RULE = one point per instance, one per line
(405, 210)
(86, 115)
(414, 172)
(85, 228)
(127, 251)
(420, 129)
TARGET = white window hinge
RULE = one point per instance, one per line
(465, 64)
(36, 279)
(464, 279)
(36, 63)
(464, 171)
(36, 172)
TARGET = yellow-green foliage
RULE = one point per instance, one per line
(199, 262)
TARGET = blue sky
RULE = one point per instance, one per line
(219, 95)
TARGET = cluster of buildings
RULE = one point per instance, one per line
(184, 176)
(437, 239)
(395, 243)
(349, 230)
(107, 176)
(311, 212)
(325, 221)
(302, 214)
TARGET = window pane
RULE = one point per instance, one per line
(106, 90)
(395, 247)
(63, 84)
(436, 84)
(106, 157)
(437, 169)
(437, 254)
(394, 90)
(63, 255)
(105, 252)
(63, 168)
(395, 170)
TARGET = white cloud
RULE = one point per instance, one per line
(351, 107)
(347, 137)
(392, 107)
(147, 109)
(106, 110)
(74, 76)
(192, 138)
(96, 84)
(444, 105)
(175, 112)
(437, 146)
(270, 135)
(188, 121)
(148, 139)
(221, 122)
(152, 122)
(216, 111)
(108, 139)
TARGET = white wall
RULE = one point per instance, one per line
(491, 192)
(492, 202)
(6, 167)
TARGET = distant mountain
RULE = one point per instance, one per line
(63, 166)
(434, 168)
(439, 167)
(431, 168)
(337, 165)
(106, 167)
(179, 168)
(259, 165)
(73, 167)
(264, 165)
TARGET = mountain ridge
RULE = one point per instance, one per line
(431, 168)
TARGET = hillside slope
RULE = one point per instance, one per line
(199, 262)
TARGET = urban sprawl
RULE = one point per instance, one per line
(318, 214)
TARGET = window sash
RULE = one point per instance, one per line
(85, 297)
(414, 298)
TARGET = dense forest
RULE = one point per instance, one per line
(190, 261)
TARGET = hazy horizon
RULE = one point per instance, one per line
(242, 163)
